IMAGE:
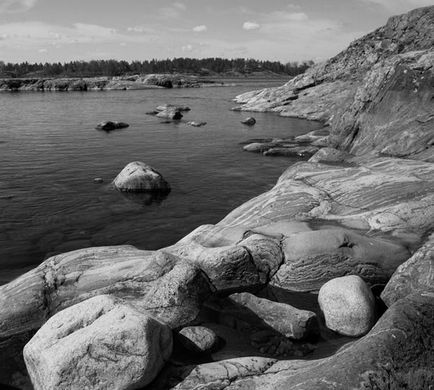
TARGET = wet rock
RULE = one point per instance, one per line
(109, 125)
(348, 305)
(98, 180)
(291, 151)
(139, 177)
(196, 123)
(99, 343)
(170, 114)
(198, 339)
(416, 274)
(250, 121)
(285, 319)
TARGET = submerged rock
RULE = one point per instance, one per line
(99, 343)
(109, 125)
(139, 177)
(250, 121)
(196, 123)
(348, 305)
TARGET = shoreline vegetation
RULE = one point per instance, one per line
(123, 75)
(353, 225)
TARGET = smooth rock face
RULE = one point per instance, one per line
(250, 121)
(100, 343)
(198, 339)
(416, 274)
(285, 319)
(348, 305)
(139, 177)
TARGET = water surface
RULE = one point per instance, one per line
(50, 154)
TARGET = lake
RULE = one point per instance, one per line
(50, 154)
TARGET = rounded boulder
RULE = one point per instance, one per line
(348, 305)
(140, 177)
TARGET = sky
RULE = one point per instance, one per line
(276, 30)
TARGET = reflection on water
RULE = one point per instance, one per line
(51, 153)
(145, 198)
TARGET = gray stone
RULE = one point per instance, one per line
(140, 177)
(250, 121)
(198, 339)
(100, 343)
(348, 305)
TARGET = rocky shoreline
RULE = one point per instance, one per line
(354, 224)
(133, 82)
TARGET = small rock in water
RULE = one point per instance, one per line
(170, 114)
(153, 112)
(196, 124)
(109, 125)
(98, 180)
(250, 121)
(198, 339)
(165, 107)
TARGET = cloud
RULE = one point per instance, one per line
(200, 28)
(251, 26)
(15, 6)
(172, 12)
(140, 29)
(35, 34)
(187, 48)
(396, 6)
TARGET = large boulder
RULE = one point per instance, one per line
(284, 319)
(140, 177)
(100, 343)
(348, 305)
(416, 274)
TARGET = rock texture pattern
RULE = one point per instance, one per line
(348, 305)
(140, 177)
(416, 274)
(101, 343)
(198, 339)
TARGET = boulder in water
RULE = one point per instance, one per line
(139, 177)
(109, 125)
(250, 121)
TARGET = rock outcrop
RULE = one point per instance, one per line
(376, 94)
(140, 177)
(416, 274)
(348, 305)
(100, 343)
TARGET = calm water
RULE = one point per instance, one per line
(50, 154)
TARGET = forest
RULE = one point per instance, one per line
(204, 67)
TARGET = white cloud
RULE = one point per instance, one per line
(140, 29)
(35, 34)
(396, 6)
(187, 48)
(251, 26)
(172, 12)
(200, 28)
(180, 6)
(15, 6)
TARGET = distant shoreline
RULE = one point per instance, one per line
(132, 82)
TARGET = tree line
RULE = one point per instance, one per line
(205, 66)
